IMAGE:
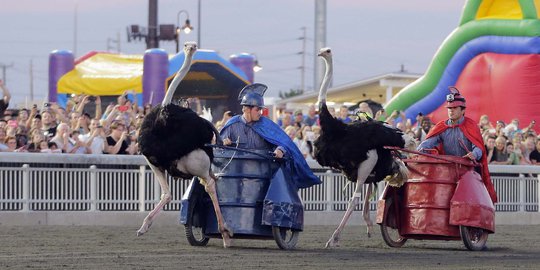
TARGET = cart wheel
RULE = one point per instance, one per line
(474, 238)
(285, 237)
(389, 230)
(195, 233)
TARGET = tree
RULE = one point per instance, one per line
(291, 93)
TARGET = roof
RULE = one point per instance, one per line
(210, 76)
(374, 88)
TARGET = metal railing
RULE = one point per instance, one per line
(58, 182)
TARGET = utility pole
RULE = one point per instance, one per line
(199, 25)
(320, 40)
(303, 65)
(152, 40)
(31, 80)
(4, 67)
(75, 29)
(110, 41)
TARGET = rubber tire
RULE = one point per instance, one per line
(190, 228)
(474, 238)
(280, 236)
(385, 227)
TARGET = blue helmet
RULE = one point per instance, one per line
(252, 95)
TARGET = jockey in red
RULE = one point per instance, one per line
(460, 136)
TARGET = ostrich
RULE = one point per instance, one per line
(172, 138)
(356, 149)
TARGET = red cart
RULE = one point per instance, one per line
(443, 199)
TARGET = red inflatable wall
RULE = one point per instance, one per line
(503, 86)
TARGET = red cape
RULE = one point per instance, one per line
(472, 132)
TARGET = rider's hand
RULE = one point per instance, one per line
(278, 153)
(470, 156)
(227, 141)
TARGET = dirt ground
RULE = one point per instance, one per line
(83, 247)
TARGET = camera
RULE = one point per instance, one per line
(47, 104)
(99, 126)
(92, 98)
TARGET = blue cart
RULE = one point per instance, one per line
(256, 196)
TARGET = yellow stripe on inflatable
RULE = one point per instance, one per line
(537, 5)
(104, 74)
(499, 9)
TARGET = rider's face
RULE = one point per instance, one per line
(455, 113)
(251, 113)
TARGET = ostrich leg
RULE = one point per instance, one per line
(365, 212)
(364, 170)
(210, 187)
(165, 198)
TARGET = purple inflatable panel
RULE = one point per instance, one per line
(155, 69)
(245, 62)
(60, 63)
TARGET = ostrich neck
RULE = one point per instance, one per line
(177, 79)
(326, 80)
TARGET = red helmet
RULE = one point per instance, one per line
(455, 99)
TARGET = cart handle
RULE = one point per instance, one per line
(465, 163)
(269, 155)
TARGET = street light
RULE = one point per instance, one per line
(256, 67)
(186, 28)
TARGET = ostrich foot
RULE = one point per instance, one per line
(226, 234)
(227, 241)
(333, 242)
(144, 228)
(369, 229)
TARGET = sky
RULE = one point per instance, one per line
(367, 37)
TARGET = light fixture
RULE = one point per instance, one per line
(257, 67)
(186, 27)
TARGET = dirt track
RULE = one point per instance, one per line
(70, 247)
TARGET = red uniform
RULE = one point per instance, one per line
(471, 132)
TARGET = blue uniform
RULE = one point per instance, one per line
(265, 134)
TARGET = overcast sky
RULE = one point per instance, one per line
(368, 37)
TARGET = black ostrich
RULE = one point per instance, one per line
(356, 149)
(173, 138)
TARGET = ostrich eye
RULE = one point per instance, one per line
(327, 51)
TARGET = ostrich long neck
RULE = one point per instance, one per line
(326, 80)
(177, 79)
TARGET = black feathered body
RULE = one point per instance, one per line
(344, 146)
(171, 132)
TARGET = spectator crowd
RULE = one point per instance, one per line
(51, 128)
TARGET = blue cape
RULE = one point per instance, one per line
(302, 175)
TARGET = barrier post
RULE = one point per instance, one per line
(330, 185)
(93, 188)
(538, 192)
(142, 187)
(522, 192)
(26, 188)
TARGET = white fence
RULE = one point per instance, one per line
(40, 182)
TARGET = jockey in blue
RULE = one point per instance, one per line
(253, 131)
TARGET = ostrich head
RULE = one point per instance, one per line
(326, 54)
(190, 48)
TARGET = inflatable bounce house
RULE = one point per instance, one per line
(492, 58)
(211, 78)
